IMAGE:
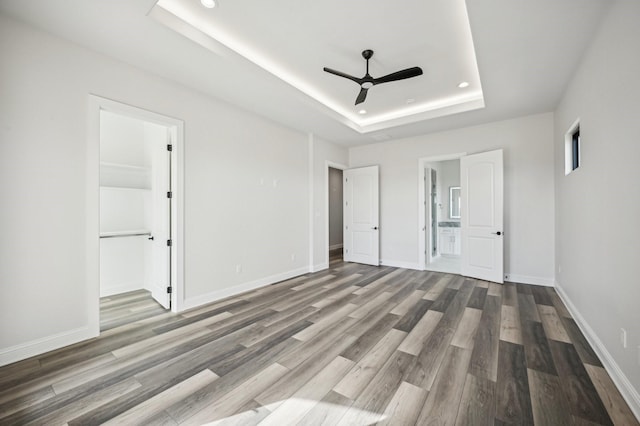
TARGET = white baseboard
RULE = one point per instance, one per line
(237, 289)
(319, 267)
(524, 279)
(629, 393)
(122, 288)
(401, 264)
(335, 246)
(45, 344)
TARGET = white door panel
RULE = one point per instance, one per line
(481, 193)
(361, 243)
(482, 216)
(160, 225)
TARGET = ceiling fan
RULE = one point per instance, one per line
(367, 81)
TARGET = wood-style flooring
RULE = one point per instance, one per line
(352, 345)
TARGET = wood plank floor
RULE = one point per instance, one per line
(352, 345)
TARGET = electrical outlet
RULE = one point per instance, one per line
(238, 268)
(623, 338)
(293, 257)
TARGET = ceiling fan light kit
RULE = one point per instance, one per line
(368, 82)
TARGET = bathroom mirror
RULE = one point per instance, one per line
(454, 202)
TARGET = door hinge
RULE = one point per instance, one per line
(169, 290)
(169, 194)
(169, 147)
(169, 243)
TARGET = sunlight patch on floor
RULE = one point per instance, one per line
(291, 411)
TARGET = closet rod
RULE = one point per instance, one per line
(131, 234)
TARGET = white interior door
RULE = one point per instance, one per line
(361, 233)
(159, 270)
(481, 176)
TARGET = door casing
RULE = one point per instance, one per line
(92, 206)
(423, 208)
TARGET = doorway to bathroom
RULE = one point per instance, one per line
(442, 215)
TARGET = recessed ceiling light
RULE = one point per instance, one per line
(210, 4)
(362, 111)
(463, 85)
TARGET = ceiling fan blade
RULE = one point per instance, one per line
(361, 96)
(341, 74)
(399, 75)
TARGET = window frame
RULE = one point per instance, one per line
(572, 148)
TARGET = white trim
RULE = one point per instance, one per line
(44, 344)
(92, 221)
(311, 176)
(422, 225)
(336, 246)
(320, 267)
(176, 130)
(401, 264)
(214, 296)
(628, 392)
(568, 148)
(328, 164)
(123, 288)
(525, 279)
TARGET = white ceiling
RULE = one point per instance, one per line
(526, 51)
(294, 40)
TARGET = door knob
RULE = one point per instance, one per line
(151, 238)
(375, 228)
(497, 233)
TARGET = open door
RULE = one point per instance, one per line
(160, 272)
(481, 176)
(361, 236)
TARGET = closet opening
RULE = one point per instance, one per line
(335, 219)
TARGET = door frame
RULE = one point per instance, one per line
(92, 216)
(422, 240)
(328, 164)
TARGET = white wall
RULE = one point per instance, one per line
(122, 140)
(335, 208)
(529, 201)
(324, 155)
(246, 191)
(597, 253)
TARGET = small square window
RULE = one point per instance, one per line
(572, 148)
